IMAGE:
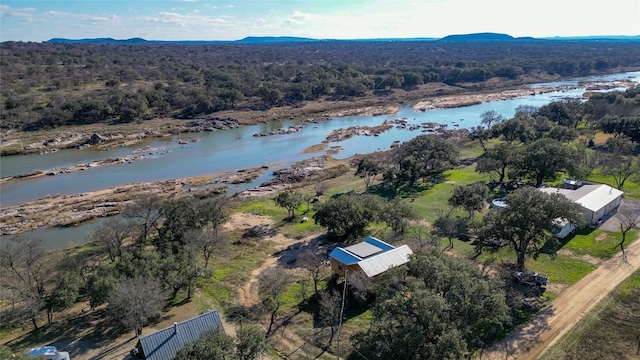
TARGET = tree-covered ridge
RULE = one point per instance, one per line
(52, 84)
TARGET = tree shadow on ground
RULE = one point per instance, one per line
(92, 327)
(403, 191)
(554, 244)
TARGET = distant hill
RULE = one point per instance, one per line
(98, 41)
(483, 37)
(596, 38)
(272, 39)
(247, 40)
(477, 37)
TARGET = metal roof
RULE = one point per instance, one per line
(363, 249)
(380, 263)
(379, 243)
(598, 197)
(164, 344)
(590, 197)
(344, 256)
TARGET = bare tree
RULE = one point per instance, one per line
(329, 312)
(135, 302)
(272, 284)
(213, 213)
(145, 211)
(490, 118)
(315, 263)
(28, 270)
(620, 162)
(110, 236)
(629, 216)
(320, 188)
(423, 238)
(210, 243)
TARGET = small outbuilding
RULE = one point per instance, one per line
(372, 257)
(165, 344)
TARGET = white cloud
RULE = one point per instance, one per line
(184, 20)
(7, 11)
(84, 17)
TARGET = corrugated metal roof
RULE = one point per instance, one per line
(380, 263)
(363, 249)
(379, 243)
(344, 256)
(598, 197)
(164, 344)
(590, 197)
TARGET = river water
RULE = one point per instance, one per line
(233, 149)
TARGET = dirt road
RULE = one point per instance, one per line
(550, 324)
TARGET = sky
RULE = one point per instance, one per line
(320, 19)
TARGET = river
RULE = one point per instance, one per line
(234, 149)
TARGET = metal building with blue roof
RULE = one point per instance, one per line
(372, 257)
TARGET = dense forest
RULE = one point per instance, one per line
(46, 85)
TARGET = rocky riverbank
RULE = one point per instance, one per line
(71, 210)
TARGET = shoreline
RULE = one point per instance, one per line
(68, 210)
(104, 135)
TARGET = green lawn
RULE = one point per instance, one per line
(631, 189)
(598, 243)
(264, 207)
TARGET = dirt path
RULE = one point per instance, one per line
(539, 334)
(248, 293)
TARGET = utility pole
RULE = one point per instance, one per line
(344, 297)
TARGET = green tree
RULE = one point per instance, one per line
(517, 128)
(423, 157)
(496, 160)
(6, 353)
(180, 270)
(290, 200)
(250, 342)
(471, 197)
(526, 219)
(231, 96)
(99, 288)
(211, 345)
(270, 97)
(64, 294)
(397, 213)
(348, 215)
(367, 169)
(543, 160)
(180, 215)
(437, 307)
